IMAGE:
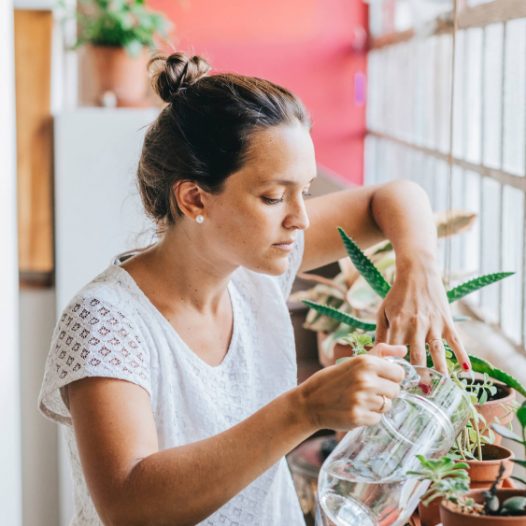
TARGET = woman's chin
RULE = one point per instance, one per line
(272, 267)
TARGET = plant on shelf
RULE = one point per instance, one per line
(127, 24)
(449, 490)
(119, 36)
(504, 506)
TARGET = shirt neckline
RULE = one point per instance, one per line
(202, 364)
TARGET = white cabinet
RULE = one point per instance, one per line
(98, 212)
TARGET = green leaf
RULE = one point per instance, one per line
(365, 266)
(479, 365)
(133, 48)
(475, 284)
(519, 462)
(507, 433)
(521, 415)
(340, 316)
(519, 479)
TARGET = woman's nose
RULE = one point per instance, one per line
(298, 218)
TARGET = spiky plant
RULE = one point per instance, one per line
(381, 286)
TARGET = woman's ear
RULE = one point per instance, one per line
(189, 198)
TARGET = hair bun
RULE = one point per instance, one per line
(171, 74)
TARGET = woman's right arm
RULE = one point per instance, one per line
(133, 483)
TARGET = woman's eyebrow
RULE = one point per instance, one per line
(283, 182)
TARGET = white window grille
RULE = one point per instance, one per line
(408, 121)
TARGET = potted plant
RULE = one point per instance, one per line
(475, 443)
(119, 36)
(349, 325)
(350, 292)
(494, 506)
(447, 477)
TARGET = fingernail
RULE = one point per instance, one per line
(426, 389)
(466, 366)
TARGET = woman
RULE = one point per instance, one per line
(175, 369)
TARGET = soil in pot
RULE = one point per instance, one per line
(450, 517)
(483, 473)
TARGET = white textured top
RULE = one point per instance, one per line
(111, 329)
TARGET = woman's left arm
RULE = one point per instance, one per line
(416, 310)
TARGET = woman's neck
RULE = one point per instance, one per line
(177, 271)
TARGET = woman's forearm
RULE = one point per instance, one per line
(184, 485)
(402, 211)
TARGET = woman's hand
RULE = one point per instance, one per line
(355, 392)
(416, 312)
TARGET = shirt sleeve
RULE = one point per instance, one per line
(92, 339)
(287, 278)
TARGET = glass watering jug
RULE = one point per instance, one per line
(363, 482)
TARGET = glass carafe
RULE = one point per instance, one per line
(364, 481)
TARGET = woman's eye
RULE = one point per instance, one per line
(272, 201)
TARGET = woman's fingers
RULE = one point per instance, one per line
(397, 333)
(417, 347)
(437, 351)
(384, 350)
(382, 326)
(458, 349)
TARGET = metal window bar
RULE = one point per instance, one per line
(403, 140)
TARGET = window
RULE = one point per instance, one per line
(483, 168)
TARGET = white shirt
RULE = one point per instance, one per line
(111, 329)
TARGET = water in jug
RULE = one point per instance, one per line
(364, 481)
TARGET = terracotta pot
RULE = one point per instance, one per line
(429, 515)
(453, 518)
(498, 411)
(115, 73)
(483, 473)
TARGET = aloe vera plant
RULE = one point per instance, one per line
(381, 286)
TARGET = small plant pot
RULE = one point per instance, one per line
(484, 472)
(124, 77)
(450, 517)
(430, 514)
(499, 410)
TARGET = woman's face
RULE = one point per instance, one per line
(254, 221)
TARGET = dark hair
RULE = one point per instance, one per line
(203, 133)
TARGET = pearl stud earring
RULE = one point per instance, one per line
(199, 219)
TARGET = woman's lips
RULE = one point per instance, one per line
(287, 246)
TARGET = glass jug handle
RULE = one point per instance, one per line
(411, 379)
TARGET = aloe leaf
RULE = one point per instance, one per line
(519, 479)
(479, 365)
(475, 284)
(340, 316)
(365, 266)
(519, 462)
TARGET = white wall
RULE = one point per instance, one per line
(10, 462)
(40, 474)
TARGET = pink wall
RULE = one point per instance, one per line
(305, 45)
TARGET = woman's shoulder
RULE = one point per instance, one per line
(111, 288)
